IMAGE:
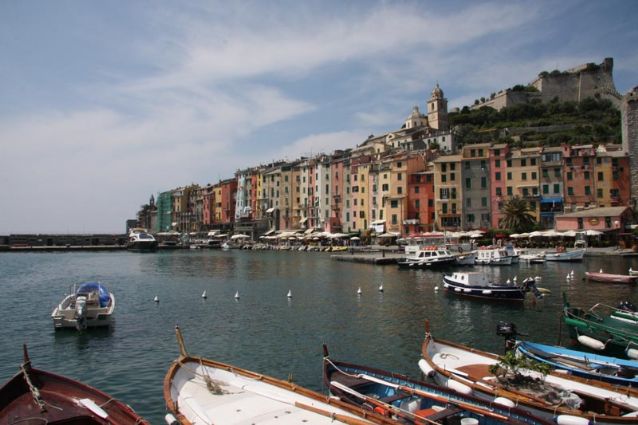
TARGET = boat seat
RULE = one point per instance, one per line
(349, 381)
(437, 416)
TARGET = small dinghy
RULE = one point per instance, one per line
(35, 396)
(414, 402)
(610, 277)
(89, 305)
(560, 397)
(203, 391)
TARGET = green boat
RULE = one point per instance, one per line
(603, 328)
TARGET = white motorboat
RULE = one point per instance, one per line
(140, 240)
(535, 258)
(563, 255)
(512, 252)
(428, 257)
(89, 305)
(493, 256)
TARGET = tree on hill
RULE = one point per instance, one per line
(517, 216)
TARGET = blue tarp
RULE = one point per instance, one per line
(88, 287)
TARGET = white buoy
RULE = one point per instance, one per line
(237, 295)
(289, 294)
(509, 282)
(381, 288)
(515, 278)
(600, 271)
(156, 299)
(436, 288)
(591, 342)
(359, 291)
(204, 296)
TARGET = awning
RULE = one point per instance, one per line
(378, 222)
(270, 210)
(551, 200)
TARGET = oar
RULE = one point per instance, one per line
(335, 416)
(425, 394)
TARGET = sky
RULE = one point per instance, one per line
(107, 103)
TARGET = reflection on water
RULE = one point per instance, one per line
(263, 330)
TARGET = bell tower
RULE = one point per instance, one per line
(437, 110)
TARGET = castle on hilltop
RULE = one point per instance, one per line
(573, 85)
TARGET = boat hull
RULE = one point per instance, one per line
(601, 403)
(568, 256)
(64, 399)
(64, 315)
(610, 278)
(500, 292)
(417, 264)
(142, 246)
(591, 366)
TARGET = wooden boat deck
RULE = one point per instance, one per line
(476, 371)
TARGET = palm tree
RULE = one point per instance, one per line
(517, 216)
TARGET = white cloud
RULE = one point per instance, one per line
(322, 143)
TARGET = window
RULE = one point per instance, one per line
(444, 208)
(497, 163)
(484, 201)
(523, 163)
(468, 183)
(473, 153)
(362, 214)
(532, 205)
(587, 177)
(509, 163)
(384, 187)
(416, 189)
(532, 161)
(509, 190)
(556, 188)
(580, 222)
(470, 218)
(468, 202)
(570, 176)
(525, 192)
(483, 182)
(417, 204)
(399, 190)
(570, 191)
(497, 152)
(394, 203)
(587, 190)
(523, 176)
(452, 177)
(599, 193)
(443, 178)
(509, 175)
(399, 164)
(545, 173)
(430, 202)
(600, 175)
(399, 176)
(444, 167)
(497, 175)
(608, 222)
(534, 175)
(545, 189)
(499, 191)
(394, 219)
(467, 165)
(557, 172)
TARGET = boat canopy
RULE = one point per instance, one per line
(103, 293)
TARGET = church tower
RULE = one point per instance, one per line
(437, 110)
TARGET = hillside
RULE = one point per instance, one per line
(553, 123)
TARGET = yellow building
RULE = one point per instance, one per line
(448, 189)
(522, 177)
(394, 186)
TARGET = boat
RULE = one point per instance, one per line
(566, 398)
(476, 284)
(586, 365)
(603, 328)
(535, 258)
(493, 256)
(610, 277)
(141, 241)
(633, 272)
(35, 396)
(512, 252)
(427, 258)
(563, 255)
(88, 305)
(204, 391)
(411, 401)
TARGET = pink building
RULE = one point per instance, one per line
(601, 219)
(497, 169)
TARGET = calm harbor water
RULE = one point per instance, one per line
(263, 331)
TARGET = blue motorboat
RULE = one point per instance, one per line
(586, 365)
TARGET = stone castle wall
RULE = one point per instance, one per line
(629, 126)
(575, 85)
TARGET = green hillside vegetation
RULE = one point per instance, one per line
(533, 124)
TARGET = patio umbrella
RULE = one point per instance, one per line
(569, 234)
(535, 234)
(515, 236)
(592, 232)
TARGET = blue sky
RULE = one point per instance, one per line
(106, 103)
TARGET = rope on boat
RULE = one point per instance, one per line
(35, 393)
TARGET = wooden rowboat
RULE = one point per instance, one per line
(413, 401)
(610, 277)
(580, 401)
(35, 396)
(202, 391)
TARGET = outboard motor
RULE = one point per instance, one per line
(626, 306)
(80, 313)
(508, 331)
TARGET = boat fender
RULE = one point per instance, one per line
(93, 407)
(571, 420)
(170, 419)
(590, 342)
(632, 353)
(458, 387)
(381, 411)
(504, 402)
(426, 368)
